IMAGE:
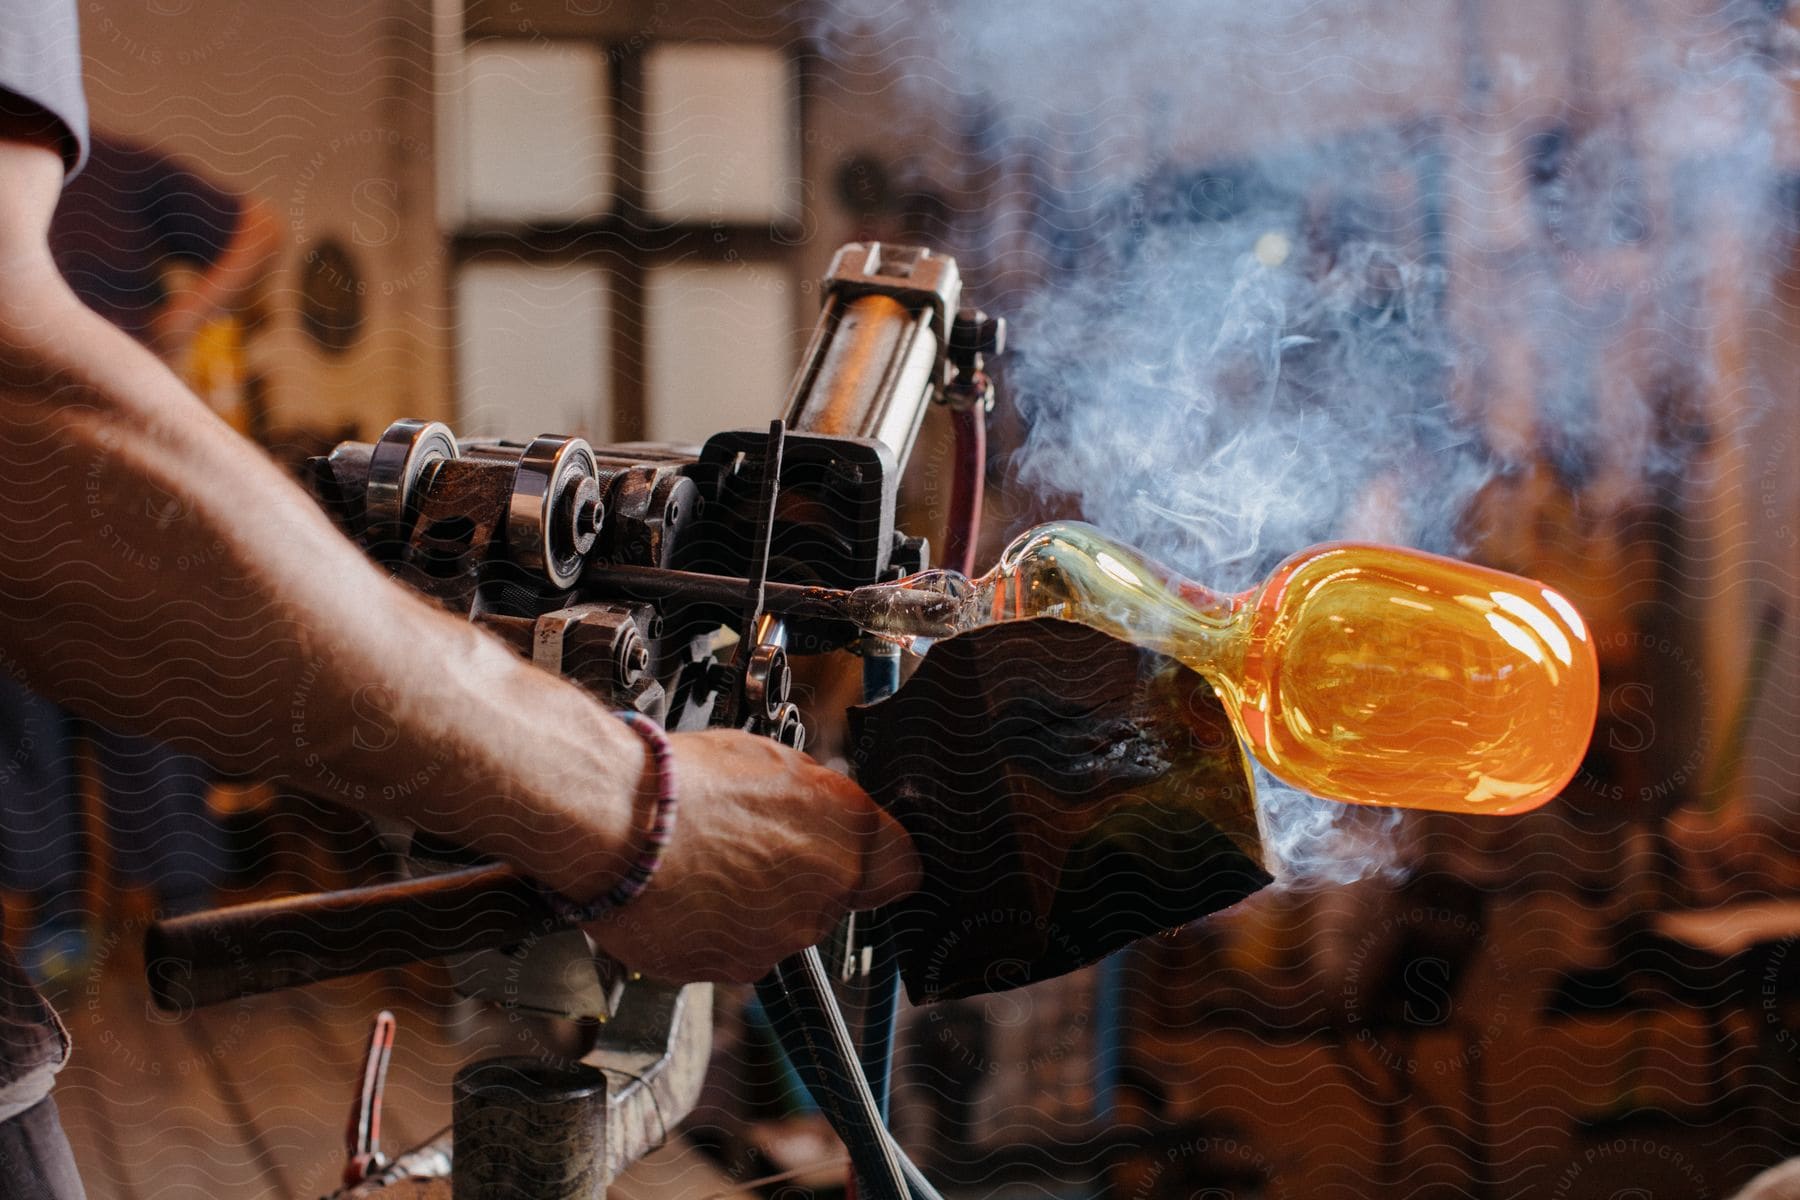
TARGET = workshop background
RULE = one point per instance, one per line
(1558, 237)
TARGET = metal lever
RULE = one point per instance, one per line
(362, 1137)
(765, 524)
(756, 584)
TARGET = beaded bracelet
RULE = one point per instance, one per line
(662, 826)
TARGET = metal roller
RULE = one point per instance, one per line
(556, 511)
(397, 463)
(789, 729)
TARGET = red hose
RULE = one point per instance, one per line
(966, 487)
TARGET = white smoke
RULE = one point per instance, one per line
(1292, 260)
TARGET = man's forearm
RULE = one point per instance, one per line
(160, 574)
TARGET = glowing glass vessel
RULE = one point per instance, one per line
(1361, 673)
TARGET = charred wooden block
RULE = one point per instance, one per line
(1068, 793)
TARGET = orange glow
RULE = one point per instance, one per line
(1362, 673)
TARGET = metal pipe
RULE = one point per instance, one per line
(963, 529)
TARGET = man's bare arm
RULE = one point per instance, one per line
(159, 574)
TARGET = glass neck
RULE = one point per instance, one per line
(1070, 571)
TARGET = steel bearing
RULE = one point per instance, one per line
(399, 460)
(556, 511)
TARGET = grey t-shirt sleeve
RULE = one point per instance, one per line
(40, 72)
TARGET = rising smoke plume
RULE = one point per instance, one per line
(1292, 261)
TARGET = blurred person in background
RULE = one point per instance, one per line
(159, 250)
(157, 247)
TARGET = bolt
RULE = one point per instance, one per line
(579, 506)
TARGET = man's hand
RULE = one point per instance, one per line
(770, 851)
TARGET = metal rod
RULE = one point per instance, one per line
(909, 610)
(797, 995)
(655, 583)
(227, 953)
(881, 987)
(791, 600)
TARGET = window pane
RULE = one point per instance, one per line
(538, 138)
(532, 349)
(720, 133)
(720, 347)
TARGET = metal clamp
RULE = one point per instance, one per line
(599, 646)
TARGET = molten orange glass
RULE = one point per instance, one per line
(1362, 673)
